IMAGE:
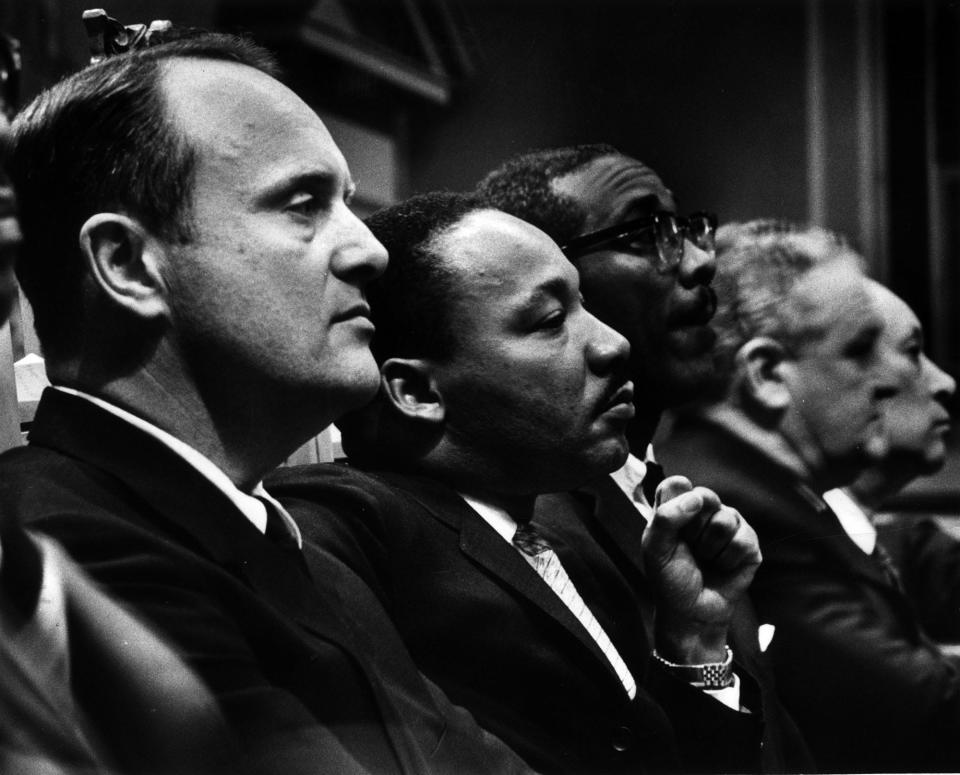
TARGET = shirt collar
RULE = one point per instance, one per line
(494, 516)
(248, 504)
(855, 521)
(629, 477)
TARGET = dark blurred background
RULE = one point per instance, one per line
(845, 113)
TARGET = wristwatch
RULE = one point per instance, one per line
(711, 675)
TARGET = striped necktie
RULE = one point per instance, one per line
(539, 554)
(882, 556)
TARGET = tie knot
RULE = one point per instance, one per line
(529, 541)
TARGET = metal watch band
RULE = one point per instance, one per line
(711, 675)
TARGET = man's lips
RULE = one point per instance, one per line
(361, 310)
(620, 402)
(697, 311)
(8, 202)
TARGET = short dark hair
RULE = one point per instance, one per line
(102, 140)
(410, 302)
(759, 264)
(522, 187)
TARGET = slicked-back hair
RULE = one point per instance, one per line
(522, 186)
(759, 264)
(101, 140)
(410, 302)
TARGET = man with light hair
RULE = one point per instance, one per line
(804, 372)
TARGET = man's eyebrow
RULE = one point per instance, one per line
(555, 287)
(637, 208)
(323, 183)
(914, 334)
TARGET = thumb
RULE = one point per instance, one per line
(670, 488)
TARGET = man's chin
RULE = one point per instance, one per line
(684, 381)
(692, 342)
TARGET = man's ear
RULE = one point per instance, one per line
(762, 363)
(124, 262)
(409, 384)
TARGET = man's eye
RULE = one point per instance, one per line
(640, 243)
(861, 349)
(553, 321)
(304, 204)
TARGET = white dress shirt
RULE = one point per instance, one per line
(247, 503)
(854, 520)
(629, 478)
(506, 526)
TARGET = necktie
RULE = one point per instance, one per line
(889, 567)
(537, 551)
(278, 531)
(651, 480)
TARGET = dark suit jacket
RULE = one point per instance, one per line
(482, 624)
(868, 688)
(600, 519)
(928, 559)
(305, 664)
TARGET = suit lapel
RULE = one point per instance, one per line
(204, 519)
(487, 549)
(618, 518)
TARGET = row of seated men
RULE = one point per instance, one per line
(499, 582)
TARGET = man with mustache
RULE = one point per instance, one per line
(497, 385)
(647, 273)
(805, 369)
(197, 279)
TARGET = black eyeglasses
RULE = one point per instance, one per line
(660, 234)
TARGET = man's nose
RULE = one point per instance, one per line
(606, 348)
(697, 267)
(362, 258)
(942, 385)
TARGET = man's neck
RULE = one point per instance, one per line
(875, 485)
(642, 428)
(519, 507)
(769, 442)
(245, 439)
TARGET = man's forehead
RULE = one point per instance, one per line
(491, 249)
(900, 322)
(836, 299)
(613, 189)
(242, 116)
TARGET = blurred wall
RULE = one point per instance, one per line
(710, 94)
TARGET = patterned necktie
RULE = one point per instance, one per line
(538, 553)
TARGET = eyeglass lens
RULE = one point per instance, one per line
(672, 232)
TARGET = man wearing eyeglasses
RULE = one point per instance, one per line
(498, 385)
(647, 273)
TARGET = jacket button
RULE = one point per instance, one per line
(622, 739)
